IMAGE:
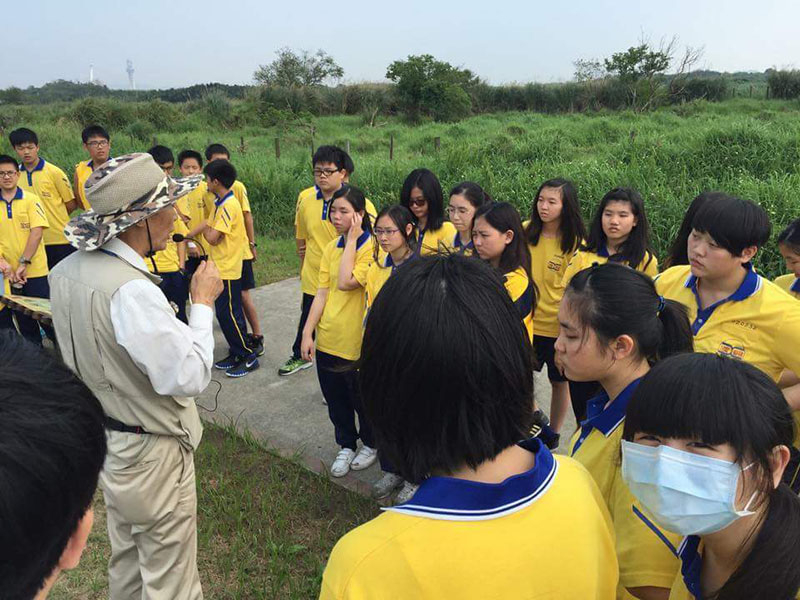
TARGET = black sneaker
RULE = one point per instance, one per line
(540, 428)
(256, 343)
(243, 368)
(226, 363)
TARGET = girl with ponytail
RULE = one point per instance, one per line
(613, 327)
(706, 444)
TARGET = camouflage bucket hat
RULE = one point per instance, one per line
(123, 191)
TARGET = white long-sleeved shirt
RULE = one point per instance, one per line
(176, 357)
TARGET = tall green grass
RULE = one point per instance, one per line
(746, 147)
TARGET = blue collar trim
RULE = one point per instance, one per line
(17, 196)
(605, 419)
(795, 287)
(39, 166)
(319, 192)
(751, 284)
(691, 564)
(602, 250)
(220, 201)
(451, 499)
(462, 247)
(388, 262)
(361, 240)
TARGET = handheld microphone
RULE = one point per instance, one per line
(178, 238)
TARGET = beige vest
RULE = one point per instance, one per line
(81, 287)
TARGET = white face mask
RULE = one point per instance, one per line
(685, 493)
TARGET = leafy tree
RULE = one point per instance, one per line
(303, 69)
(430, 87)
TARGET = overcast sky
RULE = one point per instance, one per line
(174, 44)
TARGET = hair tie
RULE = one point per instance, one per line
(662, 304)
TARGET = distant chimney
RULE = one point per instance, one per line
(91, 73)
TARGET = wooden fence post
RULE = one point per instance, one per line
(347, 146)
(437, 143)
(277, 149)
(391, 147)
(155, 141)
(768, 92)
(751, 90)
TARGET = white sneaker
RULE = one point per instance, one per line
(386, 485)
(341, 465)
(365, 457)
(406, 493)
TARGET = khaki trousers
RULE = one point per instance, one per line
(148, 483)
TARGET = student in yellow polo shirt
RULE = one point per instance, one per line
(705, 448)
(22, 256)
(332, 167)
(493, 517)
(554, 232)
(170, 263)
(225, 234)
(789, 247)
(255, 338)
(733, 310)
(190, 162)
(97, 143)
(336, 315)
(613, 326)
(51, 185)
(422, 195)
(465, 198)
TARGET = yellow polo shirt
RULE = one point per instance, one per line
(644, 557)
(520, 288)
(543, 534)
(168, 260)
(431, 242)
(583, 259)
(759, 323)
(455, 246)
(17, 218)
(790, 284)
(377, 274)
(82, 171)
(548, 264)
(229, 252)
(52, 186)
(339, 331)
(312, 225)
(198, 211)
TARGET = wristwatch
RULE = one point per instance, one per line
(24, 261)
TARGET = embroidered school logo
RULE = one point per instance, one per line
(24, 225)
(554, 265)
(732, 349)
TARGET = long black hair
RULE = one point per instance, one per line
(678, 252)
(472, 391)
(637, 246)
(719, 400)
(503, 217)
(357, 200)
(614, 300)
(474, 193)
(425, 180)
(790, 237)
(571, 227)
(402, 218)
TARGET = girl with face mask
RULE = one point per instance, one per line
(613, 327)
(706, 444)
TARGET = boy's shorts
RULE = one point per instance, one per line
(248, 279)
(546, 355)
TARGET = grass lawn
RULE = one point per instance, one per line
(265, 525)
(276, 259)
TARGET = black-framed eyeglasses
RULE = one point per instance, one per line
(325, 172)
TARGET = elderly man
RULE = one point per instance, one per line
(117, 331)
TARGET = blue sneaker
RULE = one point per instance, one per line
(243, 367)
(228, 362)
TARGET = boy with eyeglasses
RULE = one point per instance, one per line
(332, 167)
(97, 143)
(50, 184)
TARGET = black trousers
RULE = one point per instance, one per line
(231, 319)
(305, 307)
(176, 289)
(56, 253)
(340, 388)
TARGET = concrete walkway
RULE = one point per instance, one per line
(286, 413)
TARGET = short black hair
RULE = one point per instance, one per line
(52, 447)
(161, 154)
(425, 180)
(678, 251)
(186, 154)
(23, 135)
(213, 149)
(734, 223)
(221, 170)
(463, 392)
(94, 131)
(790, 237)
(6, 159)
(633, 250)
(334, 155)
